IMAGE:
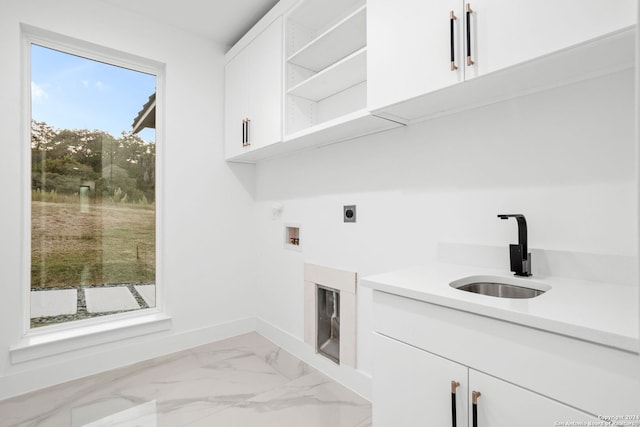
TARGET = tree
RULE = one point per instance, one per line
(63, 159)
(41, 136)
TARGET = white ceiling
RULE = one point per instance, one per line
(223, 21)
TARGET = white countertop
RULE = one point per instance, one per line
(602, 313)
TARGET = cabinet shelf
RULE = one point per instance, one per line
(326, 65)
(318, 15)
(342, 75)
(348, 126)
(336, 43)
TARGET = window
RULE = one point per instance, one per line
(93, 185)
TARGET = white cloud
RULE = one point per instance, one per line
(37, 93)
(99, 85)
(85, 83)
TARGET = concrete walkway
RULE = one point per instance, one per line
(61, 305)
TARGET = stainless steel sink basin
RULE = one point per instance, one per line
(501, 287)
(500, 290)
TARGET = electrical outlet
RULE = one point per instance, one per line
(349, 213)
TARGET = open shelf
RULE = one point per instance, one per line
(325, 77)
(326, 66)
(345, 127)
(339, 41)
(342, 75)
(318, 15)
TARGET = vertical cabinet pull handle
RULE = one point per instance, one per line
(474, 404)
(452, 17)
(454, 386)
(245, 132)
(469, 12)
(248, 139)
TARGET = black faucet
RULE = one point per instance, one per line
(520, 257)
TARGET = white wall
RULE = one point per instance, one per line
(208, 204)
(564, 158)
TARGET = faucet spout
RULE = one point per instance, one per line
(520, 256)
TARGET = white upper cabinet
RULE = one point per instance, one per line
(236, 101)
(253, 94)
(315, 72)
(418, 48)
(311, 65)
(505, 33)
(265, 86)
(410, 48)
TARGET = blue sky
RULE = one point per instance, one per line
(70, 92)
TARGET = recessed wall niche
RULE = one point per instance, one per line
(292, 236)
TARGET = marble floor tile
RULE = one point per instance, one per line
(143, 415)
(280, 360)
(52, 407)
(242, 381)
(365, 423)
(311, 401)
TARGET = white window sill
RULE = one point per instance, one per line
(36, 344)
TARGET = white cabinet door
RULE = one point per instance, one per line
(408, 49)
(501, 404)
(507, 32)
(413, 388)
(236, 99)
(408, 41)
(253, 91)
(265, 64)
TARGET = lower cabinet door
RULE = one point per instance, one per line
(501, 404)
(412, 387)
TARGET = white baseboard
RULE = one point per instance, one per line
(354, 379)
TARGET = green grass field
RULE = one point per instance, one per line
(111, 243)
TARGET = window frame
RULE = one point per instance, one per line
(133, 321)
